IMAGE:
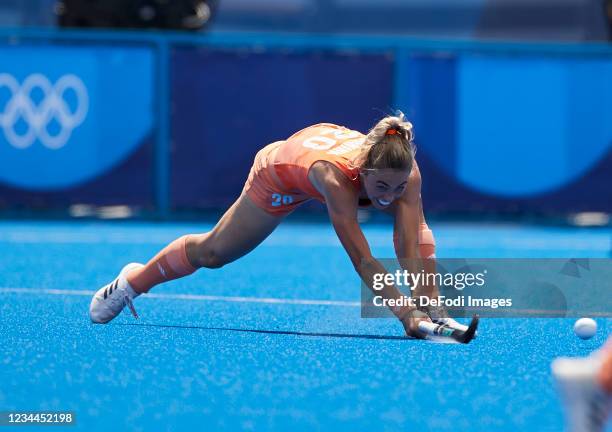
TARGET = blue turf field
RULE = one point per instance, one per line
(196, 363)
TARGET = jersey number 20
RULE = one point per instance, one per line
(279, 200)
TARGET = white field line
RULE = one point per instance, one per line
(533, 313)
(196, 297)
(599, 242)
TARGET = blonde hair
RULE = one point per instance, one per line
(389, 145)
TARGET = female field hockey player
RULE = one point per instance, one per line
(342, 168)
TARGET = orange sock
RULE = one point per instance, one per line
(170, 263)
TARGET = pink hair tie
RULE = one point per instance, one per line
(391, 132)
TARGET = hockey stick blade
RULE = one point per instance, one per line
(442, 330)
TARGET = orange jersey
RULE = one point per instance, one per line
(321, 142)
(278, 181)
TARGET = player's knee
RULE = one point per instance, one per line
(212, 260)
(209, 258)
(206, 254)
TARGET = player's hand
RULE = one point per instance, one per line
(410, 321)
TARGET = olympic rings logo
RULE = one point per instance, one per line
(38, 117)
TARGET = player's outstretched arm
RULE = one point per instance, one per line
(408, 224)
(342, 200)
(407, 218)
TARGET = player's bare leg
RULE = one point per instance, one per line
(240, 230)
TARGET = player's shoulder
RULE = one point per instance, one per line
(327, 171)
(325, 176)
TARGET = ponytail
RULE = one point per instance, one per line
(389, 145)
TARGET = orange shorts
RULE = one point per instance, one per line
(266, 190)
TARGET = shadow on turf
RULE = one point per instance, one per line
(278, 332)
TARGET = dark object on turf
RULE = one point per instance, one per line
(164, 14)
(445, 331)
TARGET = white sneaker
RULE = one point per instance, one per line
(586, 404)
(109, 301)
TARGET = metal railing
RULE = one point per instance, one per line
(163, 42)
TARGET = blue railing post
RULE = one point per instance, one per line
(162, 144)
(400, 73)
